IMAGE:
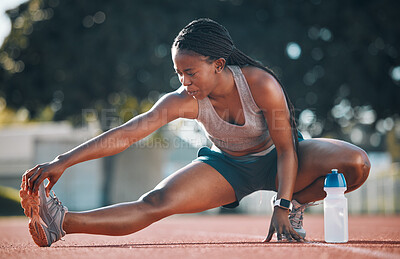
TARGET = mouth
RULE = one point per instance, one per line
(192, 93)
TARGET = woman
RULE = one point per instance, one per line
(248, 117)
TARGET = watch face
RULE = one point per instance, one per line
(285, 203)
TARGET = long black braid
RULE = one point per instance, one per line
(208, 38)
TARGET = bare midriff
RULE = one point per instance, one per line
(260, 147)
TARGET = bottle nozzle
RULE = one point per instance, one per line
(335, 179)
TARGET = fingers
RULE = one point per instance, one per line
(49, 185)
(281, 225)
(26, 176)
(37, 183)
(33, 178)
(270, 233)
(296, 236)
(30, 178)
(33, 181)
(289, 235)
(284, 235)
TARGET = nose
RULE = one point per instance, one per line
(185, 80)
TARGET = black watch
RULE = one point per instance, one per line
(285, 204)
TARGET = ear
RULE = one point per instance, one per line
(219, 65)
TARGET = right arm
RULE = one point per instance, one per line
(170, 107)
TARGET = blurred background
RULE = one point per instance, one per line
(70, 70)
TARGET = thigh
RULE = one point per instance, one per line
(318, 156)
(194, 188)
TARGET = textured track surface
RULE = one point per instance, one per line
(201, 236)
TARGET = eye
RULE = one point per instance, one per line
(191, 74)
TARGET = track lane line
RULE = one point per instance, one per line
(344, 247)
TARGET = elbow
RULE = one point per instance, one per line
(289, 155)
(288, 159)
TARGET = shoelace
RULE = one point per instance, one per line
(55, 206)
(58, 206)
(55, 199)
(296, 215)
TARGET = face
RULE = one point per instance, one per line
(195, 72)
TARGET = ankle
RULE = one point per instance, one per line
(65, 225)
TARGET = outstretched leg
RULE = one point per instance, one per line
(194, 188)
(316, 159)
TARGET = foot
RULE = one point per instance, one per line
(296, 215)
(46, 215)
(296, 218)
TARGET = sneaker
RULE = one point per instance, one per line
(296, 215)
(46, 216)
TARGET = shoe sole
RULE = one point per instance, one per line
(301, 233)
(30, 204)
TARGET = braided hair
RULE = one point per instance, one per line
(208, 38)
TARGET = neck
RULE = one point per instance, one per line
(225, 85)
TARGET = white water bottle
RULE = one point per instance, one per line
(335, 209)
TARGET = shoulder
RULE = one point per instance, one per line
(179, 96)
(260, 81)
(263, 86)
(179, 103)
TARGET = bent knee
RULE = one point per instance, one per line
(360, 169)
(157, 202)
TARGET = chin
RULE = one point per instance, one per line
(199, 97)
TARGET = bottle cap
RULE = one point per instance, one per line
(335, 179)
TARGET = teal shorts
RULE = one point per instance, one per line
(246, 174)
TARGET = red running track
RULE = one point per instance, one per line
(204, 236)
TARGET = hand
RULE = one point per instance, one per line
(35, 176)
(280, 224)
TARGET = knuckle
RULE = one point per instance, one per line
(27, 172)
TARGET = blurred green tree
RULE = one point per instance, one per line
(75, 55)
(339, 60)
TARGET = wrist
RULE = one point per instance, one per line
(284, 204)
(62, 160)
(281, 211)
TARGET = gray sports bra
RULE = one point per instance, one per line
(229, 136)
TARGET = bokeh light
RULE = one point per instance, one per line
(307, 117)
(174, 82)
(395, 74)
(366, 115)
(293, 50)
(325, 34)
(356, 135)
(375, 139)
(161, 51)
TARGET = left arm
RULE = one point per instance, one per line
(269, 96)
(277, 115)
